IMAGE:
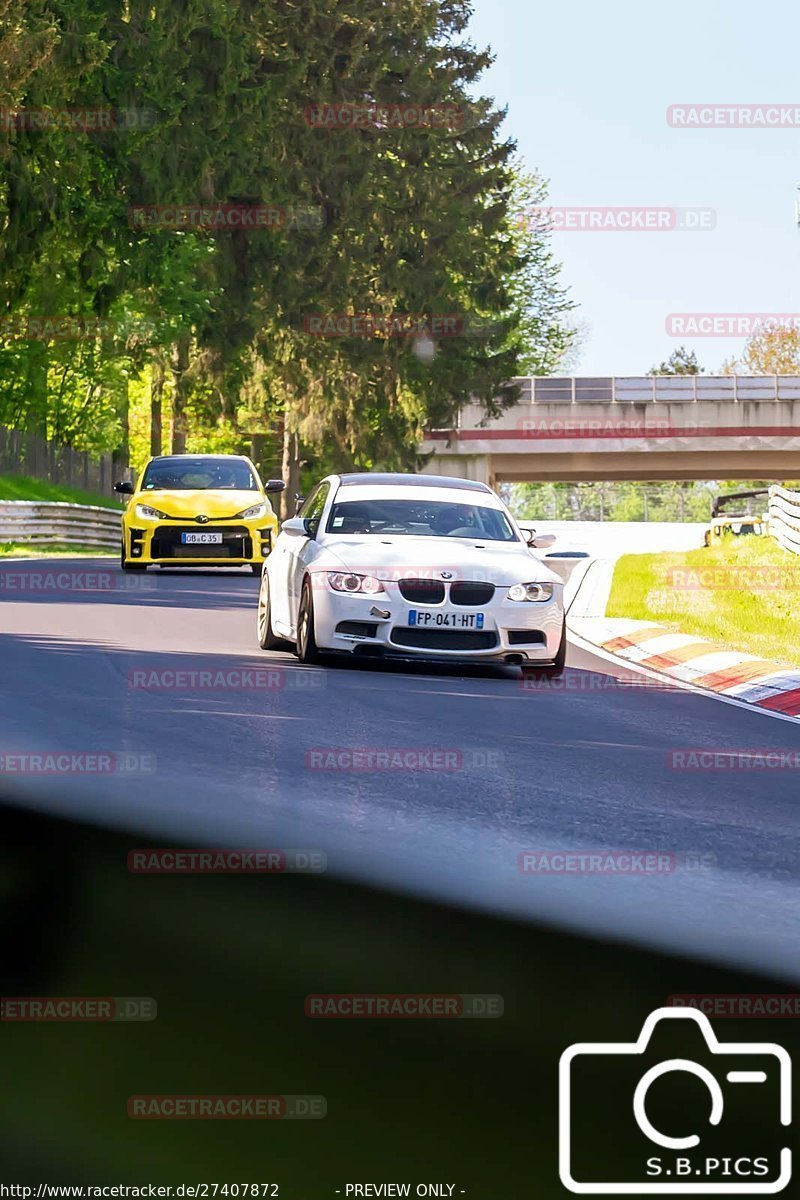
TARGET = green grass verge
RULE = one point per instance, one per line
(742, 592)
(25, 550)
(21, 487)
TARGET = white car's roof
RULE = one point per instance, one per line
(385, 492)
(442, 491)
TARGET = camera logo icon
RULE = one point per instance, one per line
(667, 1124)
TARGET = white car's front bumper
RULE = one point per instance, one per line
(511, 630)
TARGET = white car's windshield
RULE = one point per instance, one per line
(420, 518)
(198, 474)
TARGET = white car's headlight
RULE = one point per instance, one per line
(257, 510)
(145, 513)
(533, 592)
(345, 581)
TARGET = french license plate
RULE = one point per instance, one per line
(445, 620)
(202, 539)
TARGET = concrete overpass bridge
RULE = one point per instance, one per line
(631, 427)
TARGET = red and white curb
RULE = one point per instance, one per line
(696, 662)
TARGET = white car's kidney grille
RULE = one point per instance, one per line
(464, 592)
(468, 592)
(422, 591)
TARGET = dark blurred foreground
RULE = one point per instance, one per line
(230, 960)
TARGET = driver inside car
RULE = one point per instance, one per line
(225, 479)
(452, 517)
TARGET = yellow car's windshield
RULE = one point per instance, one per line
(198, 474)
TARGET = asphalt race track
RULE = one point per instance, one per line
(579, 765)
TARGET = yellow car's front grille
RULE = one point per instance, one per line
(168, 542)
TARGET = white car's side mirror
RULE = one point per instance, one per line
(539, 541)
(295, 527)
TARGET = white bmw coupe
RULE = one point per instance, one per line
(411, 566)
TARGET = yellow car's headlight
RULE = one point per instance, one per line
(257, 510)
(145, 513)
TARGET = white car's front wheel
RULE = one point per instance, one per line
(307, 649)
(267, 640)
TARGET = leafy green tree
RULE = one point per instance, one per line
(208, 330)
(680, 362)
(546, 338)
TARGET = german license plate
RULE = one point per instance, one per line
(445, 620)
(202, 539)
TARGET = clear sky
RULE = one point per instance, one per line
(587, 85)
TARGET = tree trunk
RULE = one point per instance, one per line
(120, 456)
(180, 369)
(156, 390)
(290, 472)
(36, 417)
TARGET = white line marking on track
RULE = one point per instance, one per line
(213, 712)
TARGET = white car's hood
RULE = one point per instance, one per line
(501, 563)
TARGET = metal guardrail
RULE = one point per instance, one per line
(656, 389)
(32, 521)
(784, 518)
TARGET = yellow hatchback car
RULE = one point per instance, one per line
(208, 510)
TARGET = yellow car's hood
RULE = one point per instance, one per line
(217, 504)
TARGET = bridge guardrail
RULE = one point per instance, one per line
(59, 523)
(654, 389)
(784, 518)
